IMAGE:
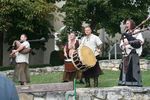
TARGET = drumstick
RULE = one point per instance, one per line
(67, 57)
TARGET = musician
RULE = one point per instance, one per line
(93, 42)
(131, 44)
(21, 72)
(69, 48)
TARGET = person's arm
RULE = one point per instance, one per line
(121, 45)
(137, 43)
(21, 47)
(25, 44)
(99, 45)
(65, 53)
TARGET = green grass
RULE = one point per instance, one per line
(53, 77)
(108, 79)
(146, 78)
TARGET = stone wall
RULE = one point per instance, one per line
(104, 64)
(114, 64)
(106, 93)
(111, 93)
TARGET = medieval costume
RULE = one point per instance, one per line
(21, 73)
(93, 42)
(130, 74)
(70, 70)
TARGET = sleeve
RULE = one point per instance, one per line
(121, 45)
(98, 41)
(82, 41)
(65, 49)
(140, 37)
(26, 44)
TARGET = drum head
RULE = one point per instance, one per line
(87, 56)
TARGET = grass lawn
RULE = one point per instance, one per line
(108, 79)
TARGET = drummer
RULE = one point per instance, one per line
(93, 42)
(69, 48)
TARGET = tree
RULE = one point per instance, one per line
(31, 17)
(103, 13)
(26, 16)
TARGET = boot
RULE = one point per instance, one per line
(87, 81)
(81, 81)
(95, 81)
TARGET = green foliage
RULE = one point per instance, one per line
(103, 13)
(31, 17)
(146, 49)
(53, 77)
(75, 15)
(11, 67)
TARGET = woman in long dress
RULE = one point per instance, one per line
(131, 44)
(70, 71)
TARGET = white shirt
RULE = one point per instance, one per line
(92, 41)
(128, 47)
(23, 57)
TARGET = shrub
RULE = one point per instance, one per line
(11, 67)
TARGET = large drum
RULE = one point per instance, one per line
(69, 67)
(83, 58)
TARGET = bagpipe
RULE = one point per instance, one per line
(17, 43)
(136, 43)
(132, 40)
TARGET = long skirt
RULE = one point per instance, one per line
(70, 76)
(130, 74)
(69, 71)
(21, 73)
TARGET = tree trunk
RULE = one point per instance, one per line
(1, 48)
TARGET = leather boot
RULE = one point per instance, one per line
(87, 81)
(95, 81)
(81, 81)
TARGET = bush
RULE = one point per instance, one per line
(146, 51)
(11, 67)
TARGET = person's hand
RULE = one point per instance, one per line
(98, 50)
(126, 42)
(14, 51)
(65, 54)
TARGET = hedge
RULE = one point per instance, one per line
(11, 67)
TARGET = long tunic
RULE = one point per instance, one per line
(130, 74)
(92, 42)
(69, 75)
